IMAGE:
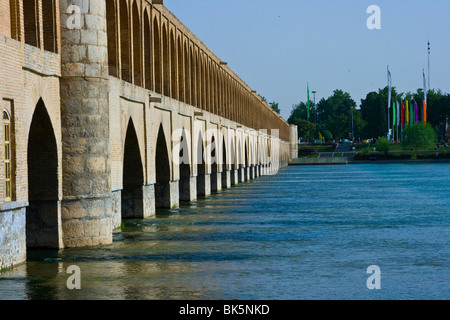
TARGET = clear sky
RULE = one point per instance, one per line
(279, 46)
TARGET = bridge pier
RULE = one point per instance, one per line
(204, 185)
(174, 195)
(216, 181)
(226, 179)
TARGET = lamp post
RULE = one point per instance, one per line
(315, 113)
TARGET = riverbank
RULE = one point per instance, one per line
(399, 161)
(344, 161)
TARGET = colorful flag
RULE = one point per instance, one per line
(398, 113)
(411, 114)
(308, 103)
(407, 113)
(416, 113)
(403, 115)
(394, 121)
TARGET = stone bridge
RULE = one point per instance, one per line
(111, 110)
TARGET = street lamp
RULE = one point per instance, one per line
(315, 115)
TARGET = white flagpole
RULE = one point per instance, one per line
(389, 103)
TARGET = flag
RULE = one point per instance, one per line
(308, 103)
(398, 114)
(424, 97)
(411, 114)
(424, 111)
(407, 113)
(390, 87)
(403, 115)
(394, 121)
(416, 113)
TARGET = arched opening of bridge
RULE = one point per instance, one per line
(240, 167)
(233, 179)
(166, 61)
(251, 162)
(214, 166)
(133, 176)
(246, 168)
(184, 186)
(137, 68)
(147, 51)
(31, 22)
(201, 168)
(224, 166)
(42, 214)
(111, 29)
(157, 65)
(125, 47)
(162, 186)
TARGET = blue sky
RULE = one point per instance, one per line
(279, 46)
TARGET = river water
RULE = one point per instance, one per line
(305, 233)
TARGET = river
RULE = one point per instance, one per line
(309, 232)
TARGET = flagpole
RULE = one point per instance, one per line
(389, 104)
(429, 52)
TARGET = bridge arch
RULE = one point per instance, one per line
(185, 168)
(166, 61)
(157, 59)
(132, 176)
(180, 71)
(225, 173)
(174, 93)
(125, 44)
(147, 51)
(187, 75)
(111, 31)
(215, 181)
(43, 216)
(137, 45)
(163, 171)
(201, 167)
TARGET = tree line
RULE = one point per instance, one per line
(338, 117)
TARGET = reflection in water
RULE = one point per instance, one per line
(307, 233)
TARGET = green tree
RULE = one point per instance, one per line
(335, 114)
(299, 111)
(383, 145)
(374, 114)
(275, 106)
(438, 110)
(419, 136)
(305, 128)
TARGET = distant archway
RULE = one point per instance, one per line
(214, 165)
(224, 165)
(233, 158)
(185, 170)
(201, 168)
(42, 214)
(246, 169)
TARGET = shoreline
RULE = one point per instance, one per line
(399, 161)
(314, 162)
